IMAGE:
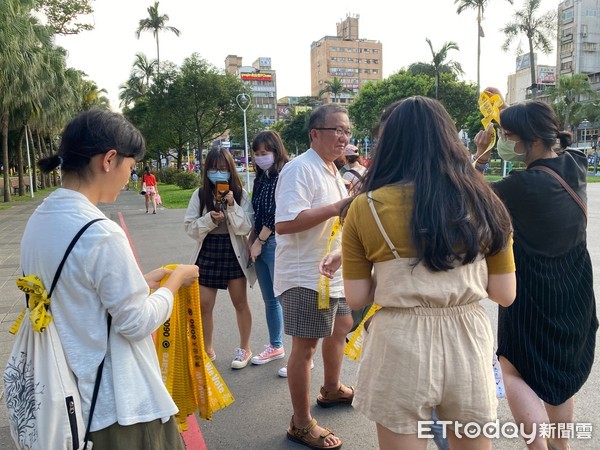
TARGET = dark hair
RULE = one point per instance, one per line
(207, 192)
(91, 133)
(273, 143)
(456, 215)
(340, 162)
(319, 116)
(535, 120)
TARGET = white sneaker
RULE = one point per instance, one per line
(242, 358)
(283, 371)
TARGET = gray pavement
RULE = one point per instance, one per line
(261, 412)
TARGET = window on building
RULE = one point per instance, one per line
(375, 71)
(589, 46)
(342, 59)
(367, 70)
(375, 61)
(368, 61)
(567, 16)
(591, 13)
(350, 59)
(566, 65)
(567, 32)
(334, 58)
(367, 50)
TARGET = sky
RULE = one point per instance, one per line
(284, 30)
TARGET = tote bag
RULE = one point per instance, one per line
(42, 398)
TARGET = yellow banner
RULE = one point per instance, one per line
(323, 287)
(189, 375)
(354, 345)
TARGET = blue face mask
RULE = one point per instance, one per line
(217, 176)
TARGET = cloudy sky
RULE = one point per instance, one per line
(284, 31)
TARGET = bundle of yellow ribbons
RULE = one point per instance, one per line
(489, 105)
(187, 371)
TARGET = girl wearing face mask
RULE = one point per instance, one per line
(219, 218)
(269, 157)
(546, 338)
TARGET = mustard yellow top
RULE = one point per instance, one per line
(363, 243)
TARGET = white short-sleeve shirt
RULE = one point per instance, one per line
(304, 183)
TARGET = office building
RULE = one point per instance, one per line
(578, 47)
(262, 79)
(347, 57)
(519, 83)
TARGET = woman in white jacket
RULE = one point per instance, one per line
(219, 218)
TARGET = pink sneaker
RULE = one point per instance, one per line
(269, 354)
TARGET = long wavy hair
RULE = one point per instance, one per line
(207, 191)
(456, 215)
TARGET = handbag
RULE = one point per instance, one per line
(42, 397)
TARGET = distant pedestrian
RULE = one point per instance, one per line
(150, 186)
(219, 218)
(355, 171)
(270, 156)
(134, 179)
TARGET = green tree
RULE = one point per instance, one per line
(62, 15)
(440, 63)
(334, 87)
(540, 31)
(295, 133)
(568, 91)
(480, 6)
(156, 23)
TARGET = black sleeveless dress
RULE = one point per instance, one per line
(549, 332)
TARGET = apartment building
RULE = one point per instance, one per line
(578, 47)
(262, 79)
(347, 57)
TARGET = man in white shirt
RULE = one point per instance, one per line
(310, 195)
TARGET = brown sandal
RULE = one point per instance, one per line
(329, 399)
(302, 436)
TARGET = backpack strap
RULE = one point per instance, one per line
(356, 174)
(564, 184)
(108, 322)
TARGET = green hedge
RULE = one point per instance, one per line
(187, 180)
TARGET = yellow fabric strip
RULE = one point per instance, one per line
(190, 377)
(38, 303)
(490, 108)
(323, 288)
(354, 345)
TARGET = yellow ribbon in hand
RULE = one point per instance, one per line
(323, 288)
(38, 304)
(490, 108)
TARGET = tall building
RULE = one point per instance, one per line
(263, 82)
(519, 83)
(578, 48)
(352, 60)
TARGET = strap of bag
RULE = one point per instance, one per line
(108, 322)
(564, 184)
(380, 226)
(356, 174)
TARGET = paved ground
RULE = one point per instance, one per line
(261, 412)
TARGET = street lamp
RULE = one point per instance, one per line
(243, 101)
(585, 124)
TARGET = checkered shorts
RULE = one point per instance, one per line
(302, 316)
(217, 262)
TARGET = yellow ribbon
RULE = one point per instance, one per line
(354, 346)
(323, 288)
(38, 303)
(187, 371)
(490, 108)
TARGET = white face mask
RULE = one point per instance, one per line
(265, 162)
(506, 150)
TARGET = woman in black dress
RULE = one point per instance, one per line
(546, 338)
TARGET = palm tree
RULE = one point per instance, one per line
(569, 89)
(439, 63)
(143, 68)
(155, 23)
(479, 5)
(334, 87)
(539, 30)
